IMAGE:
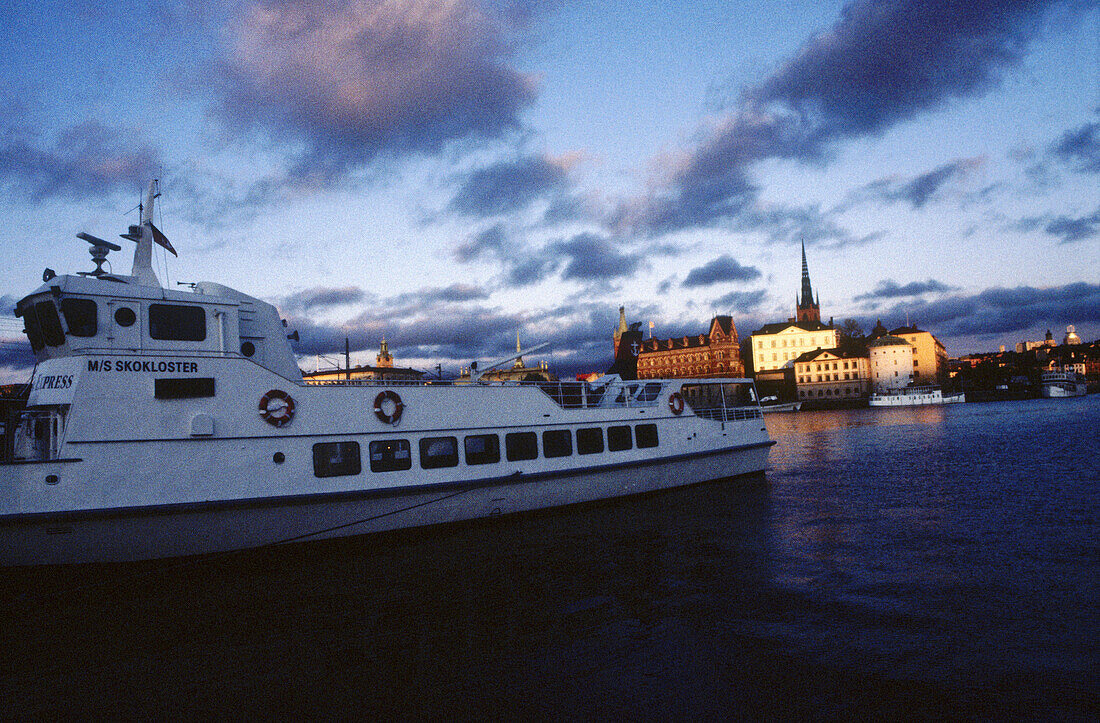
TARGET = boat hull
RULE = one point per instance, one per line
(119, 535)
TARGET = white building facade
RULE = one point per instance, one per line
(891, 360)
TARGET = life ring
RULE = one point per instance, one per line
(277, 408)
(676, 403)
(380, 410)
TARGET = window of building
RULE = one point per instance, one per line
(646, 435)
(437, 452)
(482, 449)
(618, 438)
(171, 322)
(336, 459)
(80, 316)
(557, 443)
(390, 455)
(590, 440)
(521, 445)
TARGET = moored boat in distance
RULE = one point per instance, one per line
(1060, 384)
(772, 404)
(914, 396)
(163, 423)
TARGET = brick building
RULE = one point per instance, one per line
(717, 353)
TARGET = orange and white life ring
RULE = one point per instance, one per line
(388, 406)
(277, 408)
(676, 403)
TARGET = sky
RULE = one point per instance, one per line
(449, 174)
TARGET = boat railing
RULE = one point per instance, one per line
(729, 414)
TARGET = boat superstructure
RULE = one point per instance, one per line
(1062, 383)
(163, 422)
(914, 396)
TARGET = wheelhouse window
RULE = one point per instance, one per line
(590, 440)
(557, 443)
(645, 435)
(482, 449)
(437, 452)
(390, 455)
(521, 445)
(171, 322)
(80, 316)
(41, 323)
(336, 459)
(618, 438)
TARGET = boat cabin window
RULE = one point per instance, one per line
(171, 322)
(521, 445)
(590, 440)
(618, 438)
(336, 459)
(437, 452)
(41, 323)
(482, 449)
(557, 443)
(390, 455)
(649, 392)
(646, 435)
(80, 316)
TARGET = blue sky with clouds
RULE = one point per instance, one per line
(447, 173)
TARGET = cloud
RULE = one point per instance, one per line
(453, 294)
(723, 268)
(890, 289)
(349, 80)
(1070, 230)
(510, 186)
(1067, 229)
(882, 62)
(321, 297)
(589, 257)
(87, 159)
(920, 189)
(585, 257)
(579, 335)
(741, 301)
(1080, 148)
(1000, 310)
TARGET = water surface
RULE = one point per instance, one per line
(914, 562)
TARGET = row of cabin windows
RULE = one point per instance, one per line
(167, 322)
(336, 459)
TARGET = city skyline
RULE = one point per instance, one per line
(446, 174)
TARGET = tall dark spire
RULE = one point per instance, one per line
(808, 309)
(807, 292)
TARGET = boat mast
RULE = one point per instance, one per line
(143, 235)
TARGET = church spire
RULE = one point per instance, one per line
(808, 309)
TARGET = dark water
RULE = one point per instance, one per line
(904, 563)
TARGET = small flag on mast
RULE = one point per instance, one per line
(161, 239)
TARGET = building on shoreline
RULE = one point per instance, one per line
(382, 370)
(776, 346)
(832, 374)
(717, 353)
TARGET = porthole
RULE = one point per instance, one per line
(278, 458)
(248, 348)
(125, 316)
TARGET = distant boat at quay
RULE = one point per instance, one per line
(162, 423)
(914, 396)
(1062, 384)
(772, 404)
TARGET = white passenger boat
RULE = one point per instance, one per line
(914, 396)
(1062, 384)
(163, 423)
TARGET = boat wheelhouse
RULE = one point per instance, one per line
(163, 423)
